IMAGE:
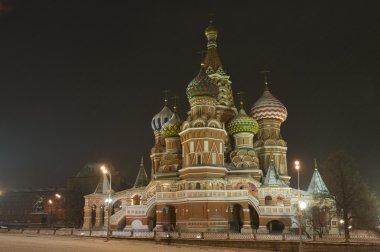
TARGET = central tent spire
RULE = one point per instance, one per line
(212, 61)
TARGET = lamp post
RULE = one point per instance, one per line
(51, 212)
(301, 204)
(297, 166)
(108, 200)
(50, 201)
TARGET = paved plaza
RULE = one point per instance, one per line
(34, 243)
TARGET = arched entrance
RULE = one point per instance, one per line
(236, 218)
(168, 218)
(254, 216)
(152, 218)
(275, 226)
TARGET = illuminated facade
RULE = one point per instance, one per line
(218, 169)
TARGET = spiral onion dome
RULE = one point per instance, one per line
(172, 127)
(242, 123)
(161, 118)
(202, 85)
(268, 106)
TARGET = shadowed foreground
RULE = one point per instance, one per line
(33, 243)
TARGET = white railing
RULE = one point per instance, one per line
(370, 236)
(116, 217)
(275, 210)
(216, 194)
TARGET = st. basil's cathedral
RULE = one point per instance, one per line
(218, 169)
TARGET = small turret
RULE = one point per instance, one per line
(317, 186)
(272, 179)
(103, 186)
(142, 178)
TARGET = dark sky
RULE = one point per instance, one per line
(81, 80)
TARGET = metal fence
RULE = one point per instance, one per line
(358, 236)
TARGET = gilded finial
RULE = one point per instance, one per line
(166, 94)
(142, 161)
(175, 98)
(315, 164)
(266, 79)
(241, 99)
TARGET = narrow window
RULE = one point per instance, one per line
(199, 158)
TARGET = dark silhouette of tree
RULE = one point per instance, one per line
(74, 204)
(319, 214)
(354, 201)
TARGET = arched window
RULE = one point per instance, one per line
(198, 186)
(268, 200)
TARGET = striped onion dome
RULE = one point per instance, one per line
(202, 85)
(172, 127)
(161, 118)
(242, 123)
(269, 107)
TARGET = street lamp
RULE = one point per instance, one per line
(300, 203)
(50, 201)
(109, 200)
(51, 212)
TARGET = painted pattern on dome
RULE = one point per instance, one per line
(172, 127)
(161, 118)
(268, 106)
(202, 85)
(242, 123)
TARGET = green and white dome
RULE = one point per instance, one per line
(172, 127)
(242, 123)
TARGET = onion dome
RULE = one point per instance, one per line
(268, 106)
(242, 123)
(202, 85)
(172, 127)
(161, 118)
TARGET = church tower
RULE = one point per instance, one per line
(158, 149)
(243, 157)
(270, 113)
(171, 160)
(202, 135)
(213, 66)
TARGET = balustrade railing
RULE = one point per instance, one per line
(360, 236)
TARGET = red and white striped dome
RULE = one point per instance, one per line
(269, 107)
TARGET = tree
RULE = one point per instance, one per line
(319, 214)
(74, 204)
(354, 201)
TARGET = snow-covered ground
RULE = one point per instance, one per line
(34, 243)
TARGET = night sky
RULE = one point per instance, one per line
(81, 80)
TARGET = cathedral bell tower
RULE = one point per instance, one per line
(202, 135)
(269, 112)
(158, 149)
(225, 107)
